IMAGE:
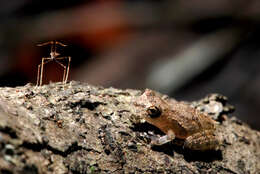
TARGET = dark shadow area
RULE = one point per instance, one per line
(36, 7)
(205, 156)
(13, 79)
(189, 155)
(212, 24)
(146, 127)
(9, 131)
(165, 148)
(4, 171)
(30, 169)
(85, 104)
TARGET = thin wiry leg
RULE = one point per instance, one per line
(38, 75)
(41, 72)
(67, 68)
(64, 75)
(64, 67)
(40, 69)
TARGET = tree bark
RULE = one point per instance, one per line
(79, 128)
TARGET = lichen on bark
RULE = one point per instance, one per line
(80, 128)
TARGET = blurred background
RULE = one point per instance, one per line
(186, 49)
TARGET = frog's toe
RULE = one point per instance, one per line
(160, 141)
(163, 139)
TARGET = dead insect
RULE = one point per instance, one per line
(54, 57)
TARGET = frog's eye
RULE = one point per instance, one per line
(154, 111)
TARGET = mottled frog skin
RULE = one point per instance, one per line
(180, 120)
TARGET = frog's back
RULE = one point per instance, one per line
(192, 120)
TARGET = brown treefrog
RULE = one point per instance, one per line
(178, 120)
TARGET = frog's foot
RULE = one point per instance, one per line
(155, 140)
(202, 141)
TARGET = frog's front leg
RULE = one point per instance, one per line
(204, 140)
(163, 139)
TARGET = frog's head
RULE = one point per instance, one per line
(152, 105)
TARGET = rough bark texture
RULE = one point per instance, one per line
(78, 128)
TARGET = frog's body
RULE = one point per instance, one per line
(180, 120)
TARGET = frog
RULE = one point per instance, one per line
(178, 120)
